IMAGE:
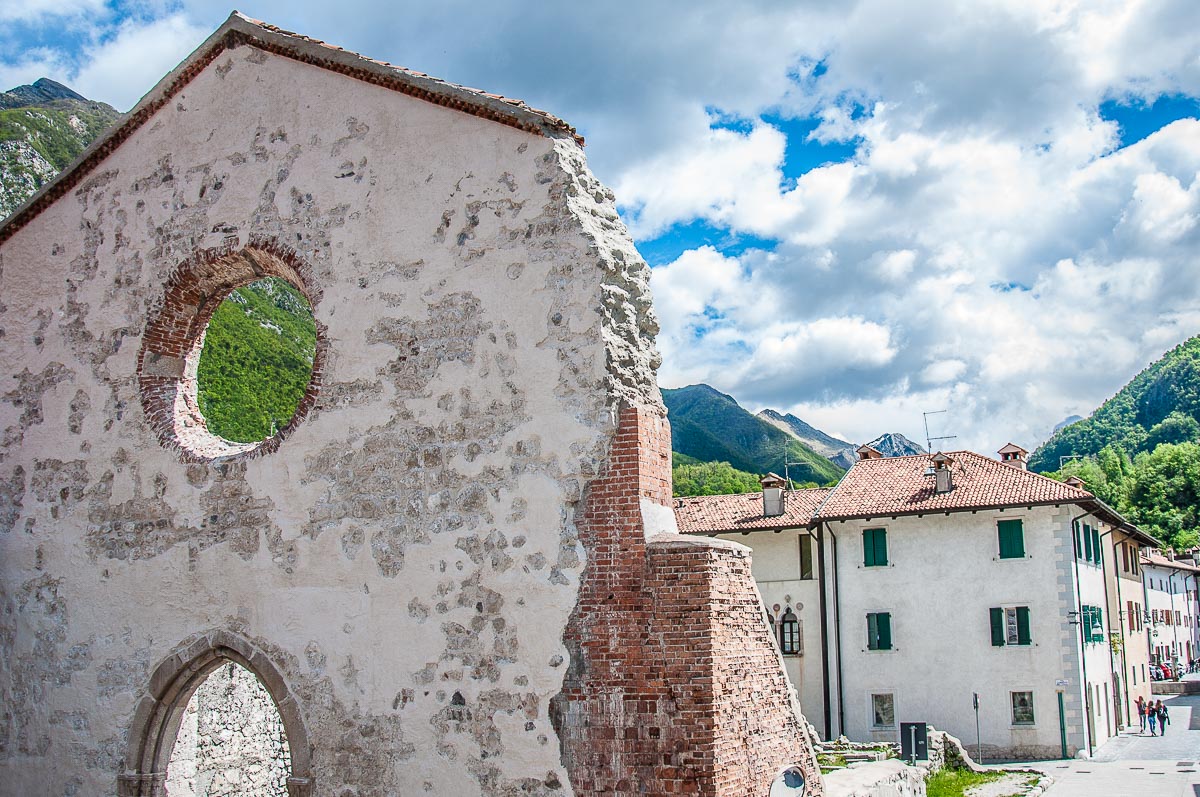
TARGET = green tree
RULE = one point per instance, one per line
(712, 478)
(1164, 494)
(257, 360)
(1175, 428)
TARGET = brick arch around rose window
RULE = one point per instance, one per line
(158, 715)
(170, 354)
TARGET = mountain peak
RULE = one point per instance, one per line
(42, 90)
(894, 444)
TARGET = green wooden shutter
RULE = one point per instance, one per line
(874, 547)
(997, 615)
(1078, 542)
(1087, 542)
(1023, 625)
(1096, 551)
(1012, 539)
(883, 622)
(872, 632)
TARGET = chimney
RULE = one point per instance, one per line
(773, 494)
(866, 452)
(943, 480)
(1014, 456)
(1076, 482)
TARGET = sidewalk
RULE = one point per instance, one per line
(1137, 764)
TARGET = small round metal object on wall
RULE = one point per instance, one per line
(789, 783)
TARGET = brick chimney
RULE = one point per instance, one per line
(943, 479)
(1014, 456)
(866, 452)
(1076, 482)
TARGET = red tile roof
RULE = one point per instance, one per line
(899, 486)
(712, 514)
(891, 486)
(1158, 560)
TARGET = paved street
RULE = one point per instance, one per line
(1138, 765)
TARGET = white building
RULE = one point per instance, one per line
(919, 583)
(1171, 609)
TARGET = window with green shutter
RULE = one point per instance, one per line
(1087, 542)
(1078, 541)
(879, 631)
(1023, 625)
(1096, 552)
(1012, 539)
(997, 616)
(875, 548)
(1010, 625)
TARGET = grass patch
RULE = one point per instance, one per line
(954, 782)
(830, 761)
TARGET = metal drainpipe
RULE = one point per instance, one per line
(1087, 699)
(1112, 662)
(837, 632)
(824, 629)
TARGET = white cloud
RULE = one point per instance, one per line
(46, 12)
(988, 248)
(122, 68)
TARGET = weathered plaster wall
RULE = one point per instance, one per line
(408, 558)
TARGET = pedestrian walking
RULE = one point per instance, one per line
(1163, 719)
(1152, 717)
(1141, 708)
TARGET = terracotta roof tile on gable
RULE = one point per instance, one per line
(899, 486)
(486, 101)
(713, 514)
(241, 30)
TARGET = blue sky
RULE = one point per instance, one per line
(855, 212)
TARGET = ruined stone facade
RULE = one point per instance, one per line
(456, 571)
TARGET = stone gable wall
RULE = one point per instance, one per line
(406, 568)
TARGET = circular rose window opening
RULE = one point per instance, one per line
(231, 362)
(256, 361)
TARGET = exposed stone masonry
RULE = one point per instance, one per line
(231, 741)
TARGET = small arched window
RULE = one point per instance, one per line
(789, 634)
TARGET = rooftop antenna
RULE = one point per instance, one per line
(786, 477)
(929, 440)
(1062, 459)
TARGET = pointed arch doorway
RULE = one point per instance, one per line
(161, 712)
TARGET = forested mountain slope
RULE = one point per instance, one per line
(710, 426)
(1160, 405)
(43, 127)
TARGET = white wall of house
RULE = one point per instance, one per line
(1098, 656)
(776, 569)
(1170, 599)
(1126, 610)
(944, 574)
